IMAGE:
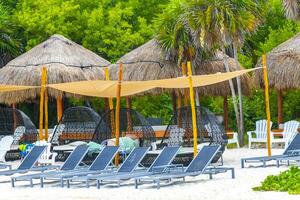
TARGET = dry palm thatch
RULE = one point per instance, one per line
(65, 61)
(148, 62)
(283, 64)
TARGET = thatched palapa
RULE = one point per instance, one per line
(65, 61)
(149, 62)
(283, 64)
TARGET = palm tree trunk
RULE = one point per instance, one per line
(239, 86)
(235, 106)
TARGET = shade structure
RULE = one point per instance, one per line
(65, 61)
(107, 89)
(150, 62)
(283, 64)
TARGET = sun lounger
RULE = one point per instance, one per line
(28, 163)
(71, 163)
(291, 151)
(129, 165)
(99, 165)
(162, 162)
(199, 165)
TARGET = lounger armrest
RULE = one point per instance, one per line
(168, 168)
(293, 152)
(249, 133)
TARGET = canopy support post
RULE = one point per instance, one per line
(129, 118)
(279, 106)
(179, 103)
(42, 95)
(264, 62)
(46, 115)
(118, 111)
(111, 105)
(59, 108)
(186, 90)
(225, 109)
(192, 102)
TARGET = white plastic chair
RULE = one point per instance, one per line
(48, 157)
(5, 144)
(260, 133)
(290, 128)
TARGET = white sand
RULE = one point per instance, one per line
(222, 187)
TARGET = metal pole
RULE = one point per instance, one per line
(118, 110)
(42, 95)
(192, 102)
(264, 61)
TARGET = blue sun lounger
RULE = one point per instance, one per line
(162, 161)
(71, 163)
(128, 166)
(291, 151)
(199, 165)
(99, 165)
(28, 163)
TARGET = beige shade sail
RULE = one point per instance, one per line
(10, 88)
(107, 89)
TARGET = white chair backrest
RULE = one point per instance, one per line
(261, 128)
(19, 132)
(290, 128)
(5, 144)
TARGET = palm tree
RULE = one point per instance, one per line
(9, 47)
(176, 37)
(222, 23)
(292, 9)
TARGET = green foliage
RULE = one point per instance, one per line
(9, 46)
(154, 106)
(287, 181)
(110, 28)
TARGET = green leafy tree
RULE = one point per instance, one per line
(9, 46)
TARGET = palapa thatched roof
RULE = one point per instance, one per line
(283, 64)
(148, 62)
(65, 61)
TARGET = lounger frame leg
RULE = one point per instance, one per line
(42, 182)
(136, 183)
(98, 184)
(62, 182)
(12, 182)
(68, 183)
(242, 163)
(31, 182)
(210, 176)
(232, 173)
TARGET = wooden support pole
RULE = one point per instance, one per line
(42, 95)
(186, 90)
(107, 77)
(14, 116)
(46, 115)
(192, 102)
(111, 106)
(59, 108)
(279, 106)
(264, 62)
(179, 104)
(128, 113)
(118, 105)
(225, 109)
(174, 102)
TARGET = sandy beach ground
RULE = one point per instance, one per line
(222, 187)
